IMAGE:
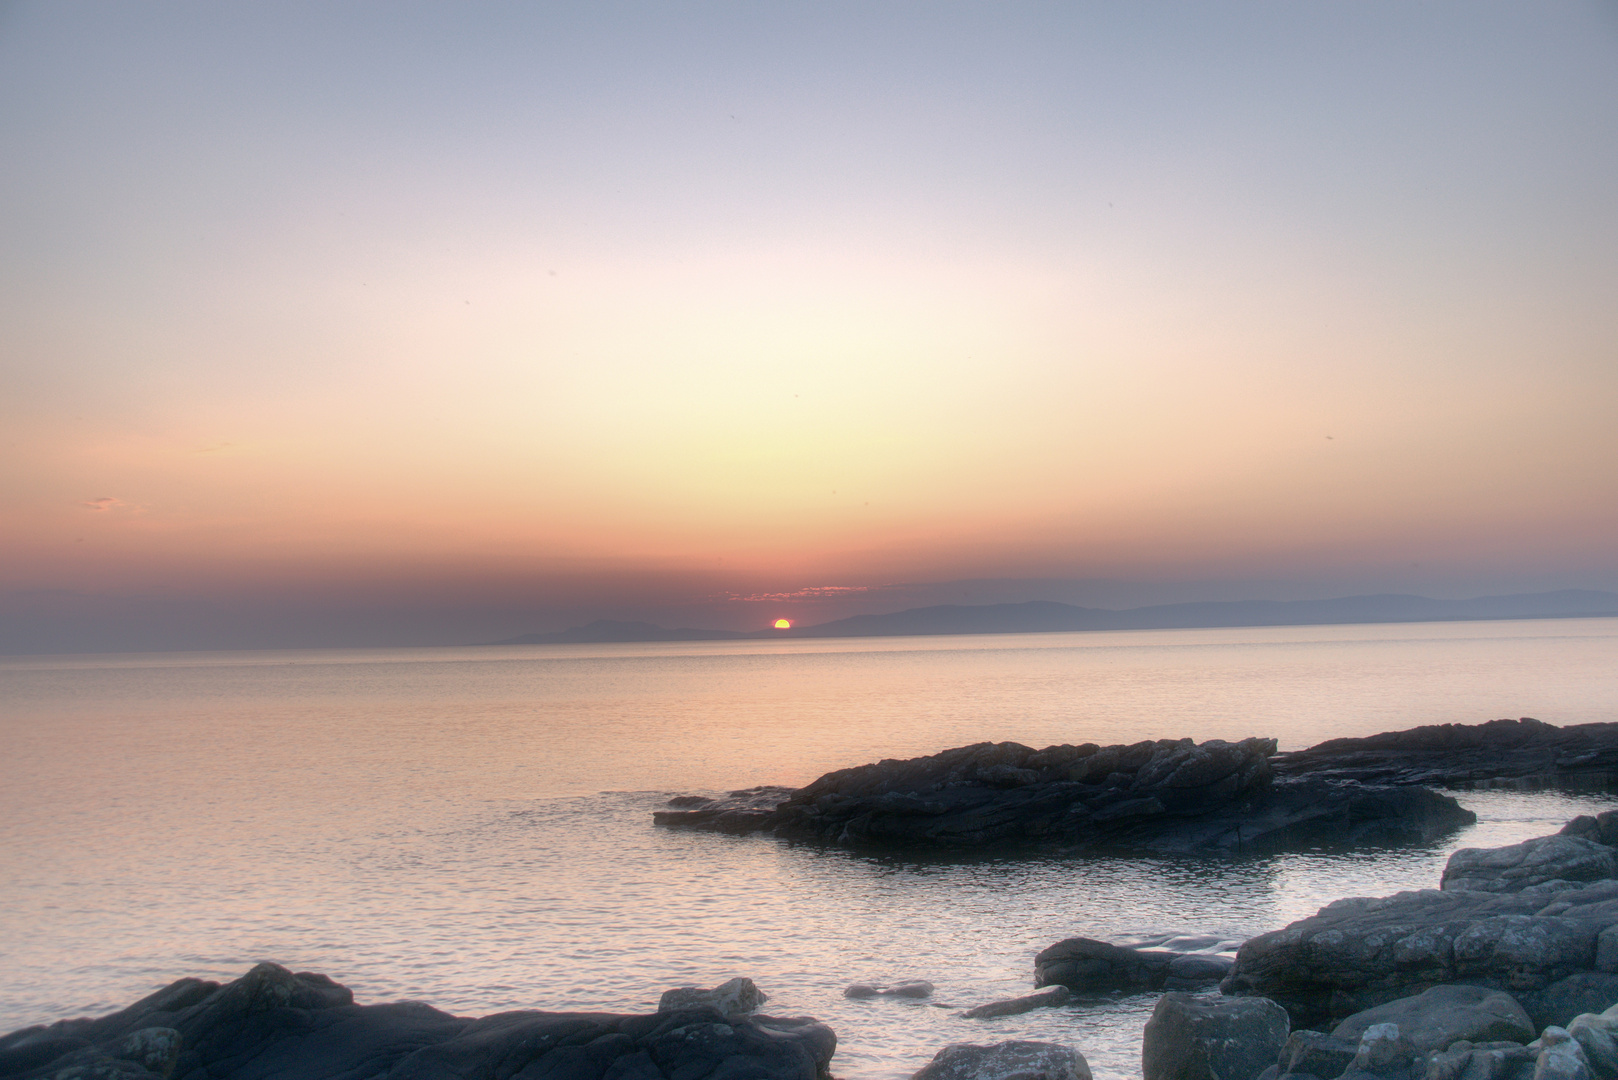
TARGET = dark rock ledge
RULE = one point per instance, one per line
(1524, 753)
(274, 1025)
(1168, 796)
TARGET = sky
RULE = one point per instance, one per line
(364, 323)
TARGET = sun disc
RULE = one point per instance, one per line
(783, 624)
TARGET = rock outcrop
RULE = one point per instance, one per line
(1536, 944)
(272, 1024)
(1006, 1061)
(1199, 1038)
(1518, 753)
(1170, 796)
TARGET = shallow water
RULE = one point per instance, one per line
(471, 827)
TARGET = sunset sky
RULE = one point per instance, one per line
(343, 323)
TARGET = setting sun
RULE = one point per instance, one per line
(783, 624)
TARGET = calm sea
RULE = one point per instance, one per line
(471, 827)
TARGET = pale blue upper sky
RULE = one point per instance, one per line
(535, 300)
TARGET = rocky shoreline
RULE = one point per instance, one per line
(1167, 796)
(1507, 970)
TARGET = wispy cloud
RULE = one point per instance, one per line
(107, 503)
(810, 592)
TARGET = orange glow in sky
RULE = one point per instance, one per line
(749, 299)
(783, 624)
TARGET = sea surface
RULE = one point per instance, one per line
(472, 827)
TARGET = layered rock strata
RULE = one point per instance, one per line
(274, 1025)
(1169, 796)
(1518, 753)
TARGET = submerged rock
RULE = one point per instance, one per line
(915, 989)
(1056, 995)
(272, 1024)
(1164, 796)
(1006, 1061)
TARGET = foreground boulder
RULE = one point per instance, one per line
(274, 1025)
(1170, 796)
(1553, 947)
(1006, 1061)
(1199, 1038)
(1085, 965)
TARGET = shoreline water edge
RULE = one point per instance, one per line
(1507, 970)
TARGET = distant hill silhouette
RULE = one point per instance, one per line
(1036, 616)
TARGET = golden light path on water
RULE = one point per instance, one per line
(472, 827)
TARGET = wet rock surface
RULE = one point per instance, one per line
(1168, 796)
(273, 1024)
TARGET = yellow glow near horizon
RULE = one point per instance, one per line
(783, 624)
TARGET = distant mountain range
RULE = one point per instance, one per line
(1043, 616)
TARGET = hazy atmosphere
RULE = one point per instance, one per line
(396, 324)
